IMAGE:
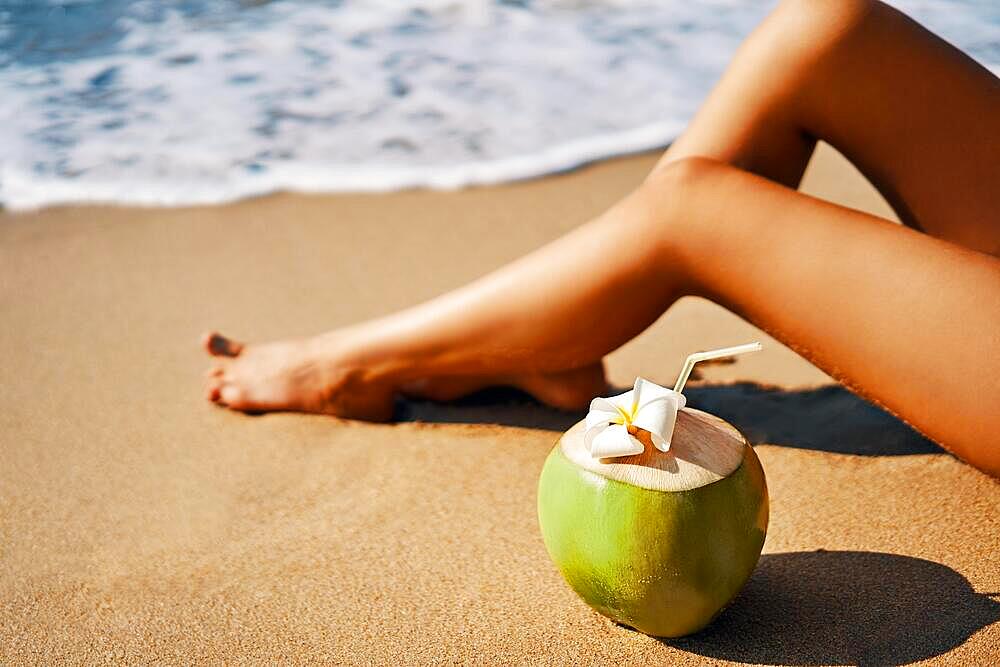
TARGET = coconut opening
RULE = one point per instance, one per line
(704, 449)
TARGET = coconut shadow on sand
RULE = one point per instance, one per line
(845, 608)
(828, 418)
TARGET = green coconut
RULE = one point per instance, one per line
(659, 541)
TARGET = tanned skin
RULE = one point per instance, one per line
(908, 316)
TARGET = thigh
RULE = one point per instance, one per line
(907, 320)
(749, 119)
(917, 116)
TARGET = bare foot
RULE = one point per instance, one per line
(316, 375)
(300, 376)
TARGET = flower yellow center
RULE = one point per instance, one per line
(625, 417)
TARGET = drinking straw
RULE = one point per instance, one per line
(711, 354)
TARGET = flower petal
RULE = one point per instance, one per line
(614, 441)
(647, 391)
(593, 431)
(624, 401)
(657, 412)
(602, 411)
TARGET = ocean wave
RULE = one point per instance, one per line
(154, 104)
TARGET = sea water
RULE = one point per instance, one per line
(201, 101)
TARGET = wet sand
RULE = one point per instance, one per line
(138, 523)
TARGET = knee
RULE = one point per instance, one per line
(822, 22)
(685, 177)
(826, 12)
(673, 190)
(680, 200)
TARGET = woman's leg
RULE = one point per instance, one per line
(907, 320)
(554, 313)
(565, 306)
(739, 131)
(918, 117)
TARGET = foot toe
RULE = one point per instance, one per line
(213, 389)
(231, 395)
(219, 346)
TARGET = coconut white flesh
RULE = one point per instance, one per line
(704, 449)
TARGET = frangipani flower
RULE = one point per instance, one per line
(647, 406)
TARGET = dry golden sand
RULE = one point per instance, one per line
(140, 524)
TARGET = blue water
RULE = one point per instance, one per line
(210, 100)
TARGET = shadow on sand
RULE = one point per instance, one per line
(804, 608)
(829, 418)
(845, 608)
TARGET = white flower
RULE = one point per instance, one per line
(647, 406)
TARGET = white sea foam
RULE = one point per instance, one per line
(138, 103)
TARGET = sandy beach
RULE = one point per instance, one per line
(140, 524)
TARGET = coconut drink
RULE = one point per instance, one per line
(654, 513)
